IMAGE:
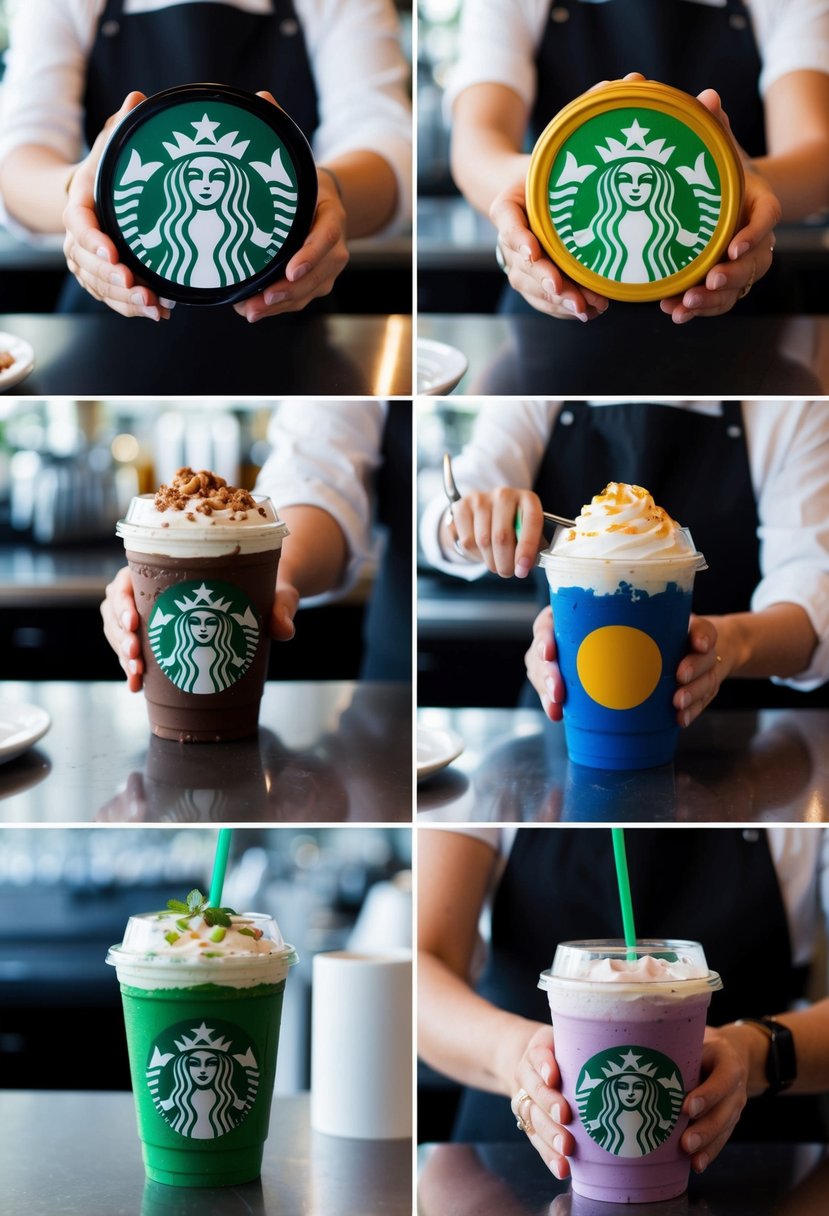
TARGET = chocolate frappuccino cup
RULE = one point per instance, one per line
(202, 1020)
(203, 558)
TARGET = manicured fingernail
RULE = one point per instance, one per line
(741, 249)
(718, 281)
(683, 700)
(571, 306)
(702, 1163)
(692, 301)
(133, 667)
(683, 318)
(522, 567)
(556, 1112)
(546, 1074)
(550, 685)
(136, 297)
(275, 297)
(695, 1107)
(126, 645)
(557, 1169)
(704, 645)
(526, 253)
(116, 279)
(167, 303)
(686, 718)
(692, 1143)
(102, 253)
(125, 619)
(300, 272)
(549, 287)
(558, 1144)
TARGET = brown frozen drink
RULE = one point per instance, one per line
(203, 557)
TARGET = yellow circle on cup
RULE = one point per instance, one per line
(635, 190)
(619, 667)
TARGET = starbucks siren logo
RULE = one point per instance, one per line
(629, 1099)
(203, 1080)
(207, 214)
(203, 635)
(635, 211)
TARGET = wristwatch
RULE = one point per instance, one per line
(781, 1061)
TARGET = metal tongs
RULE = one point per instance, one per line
(453, 494)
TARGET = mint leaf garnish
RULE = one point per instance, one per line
(197, 905)
(171, 937)
(195, 902)
(218, 916)
(175, 905)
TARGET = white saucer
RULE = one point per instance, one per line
(24, 360)
(435, 749)
(439, 367)
(20, 727)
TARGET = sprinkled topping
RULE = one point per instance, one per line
(204, 492)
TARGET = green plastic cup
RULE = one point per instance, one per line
(202, 1034)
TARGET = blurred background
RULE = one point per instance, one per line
(380, 267)
(457, 272)
(66, 895)
(82, 461)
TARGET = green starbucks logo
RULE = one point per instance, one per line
(629, 1099)
(634, 209)
(203, 635)
(205, 196)
(203, 1079)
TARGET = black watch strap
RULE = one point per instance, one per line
(781, 1061)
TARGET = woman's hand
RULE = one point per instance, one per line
(715, 1106)
(90, 254)
(121, 627)
(544, 1111)
(542, 669)
(528, 268)
(701, 672)
(749, 251)
(485, 527)
(314, 268)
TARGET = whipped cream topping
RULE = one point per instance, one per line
(643, 970)
(169, 935)
(623, 522)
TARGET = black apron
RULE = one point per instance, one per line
(715, 886)
(696, 467)
(682, 43)
(388, 626)
(188, 44)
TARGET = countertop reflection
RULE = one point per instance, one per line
(88, 1163)
(768, 766)
(638, 351)
(326, 751)
(512, 1180)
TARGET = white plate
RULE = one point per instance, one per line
(24, 360)
(435, 749)
(439, 367)
(20, 727)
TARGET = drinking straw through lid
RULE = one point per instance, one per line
(623, 881)
(219, 867)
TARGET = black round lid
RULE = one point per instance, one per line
(207, 192)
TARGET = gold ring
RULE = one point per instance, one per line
(719, 658)
(523, 1125)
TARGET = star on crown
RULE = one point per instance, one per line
(635, 146)
(630, 1063)
(202, 595)
(203, 1036)
(205, 141)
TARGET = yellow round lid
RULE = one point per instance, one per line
(635, 190)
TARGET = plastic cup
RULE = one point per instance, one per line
(628, 1052)
(621, 629)
(202, 1036)
(204, 596)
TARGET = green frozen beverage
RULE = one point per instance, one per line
(202, 1010)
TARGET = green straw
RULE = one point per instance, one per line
(219, 867)
(623, 880)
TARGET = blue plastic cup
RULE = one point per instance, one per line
(621, 629)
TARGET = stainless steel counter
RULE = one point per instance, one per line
(636, 349)
(512, 1180)
(77, 1154)
(769, 766)
(326, 752)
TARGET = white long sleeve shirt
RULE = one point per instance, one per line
(353, 47)
(788, 452)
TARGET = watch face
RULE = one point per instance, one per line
(634, 190)
(207, 192)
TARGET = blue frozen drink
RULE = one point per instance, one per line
(620, 588)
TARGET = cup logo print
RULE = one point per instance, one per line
(634, 209)
(203, 1079)
(629, 1099)
(202, 203)
(203, 635)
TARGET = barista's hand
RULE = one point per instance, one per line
(701, 672)
(121, 627)
(314, 268)
(528, 267)
(717, 1103)
(285, 604)
(749, 253)
(545, 1110)
(542, 669)
(90, 254)
(484, 525)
